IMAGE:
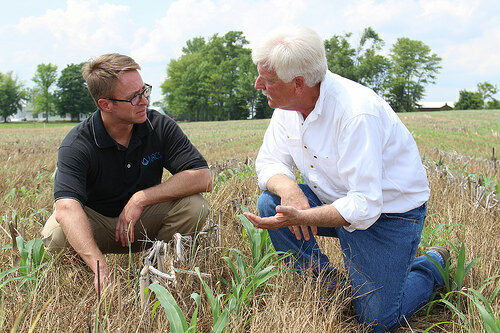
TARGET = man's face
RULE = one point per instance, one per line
(129, 84)
(279, 94)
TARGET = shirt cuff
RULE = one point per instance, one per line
(353, 214)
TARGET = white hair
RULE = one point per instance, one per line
(291, 52)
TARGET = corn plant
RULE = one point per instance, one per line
(260, 243)
(176, 319)
(454, 282)
(249, 274)
(247, 279)
(242, 171)
(220, 315)
(453, 289)
(32, 260)
(490, 320)
(437, 235)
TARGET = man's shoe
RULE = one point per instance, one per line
(443, 252)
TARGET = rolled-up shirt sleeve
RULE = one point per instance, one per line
(360, 168)
(274, 157)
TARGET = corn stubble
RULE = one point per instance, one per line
(63, 298)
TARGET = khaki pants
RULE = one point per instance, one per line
(160, 221)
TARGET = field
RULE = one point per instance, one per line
(459, 149)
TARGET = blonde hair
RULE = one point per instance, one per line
(102, 73)
(291, 52)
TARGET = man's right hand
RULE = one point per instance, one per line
(291, 195)
(102, 280)
(76, 226)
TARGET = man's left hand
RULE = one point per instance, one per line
(126, 221)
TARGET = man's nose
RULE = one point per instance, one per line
(259, 84)
(143, 98)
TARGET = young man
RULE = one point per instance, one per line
(108, 189)
(364, 180)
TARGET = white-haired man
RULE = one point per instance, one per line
(364, 180)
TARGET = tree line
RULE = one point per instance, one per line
(51, 95)
(214, 79)
(480, 99)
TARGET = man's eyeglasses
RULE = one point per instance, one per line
(136, 99)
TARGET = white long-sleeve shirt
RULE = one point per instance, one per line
(352, 150)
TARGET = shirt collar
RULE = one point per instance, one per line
(103, 140)
(318, 107)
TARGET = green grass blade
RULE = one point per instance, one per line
(194, 318)
(455, 310)
(444, 273)
(221, 322)
(487, 316)
(214, 302)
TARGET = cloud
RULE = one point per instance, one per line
(186, 19)
(81, 26)
(477, 56)
(376, 13)
(460, 9)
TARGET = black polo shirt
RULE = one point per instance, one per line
(102, 174)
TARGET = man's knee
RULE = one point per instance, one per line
(198, 209)
(191, 212)
(377, 311)
(53, 236)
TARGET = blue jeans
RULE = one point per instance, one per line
(388, 282)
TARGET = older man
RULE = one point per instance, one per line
(364, 180)
(108, 188)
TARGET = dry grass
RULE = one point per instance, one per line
(65, 300)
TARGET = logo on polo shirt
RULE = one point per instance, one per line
(151, 158)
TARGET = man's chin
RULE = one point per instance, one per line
(141, 117)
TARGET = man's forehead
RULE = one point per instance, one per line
(266, 71)
(129, 82)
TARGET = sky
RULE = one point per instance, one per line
(464, 33)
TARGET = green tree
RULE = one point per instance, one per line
(262, 109)
(412, 67)
(371, 67)
(362, 64)
(11, 95)
(73, 96)
(43, 97)
(487, 91)
(469, 100)
(212, 80)
(340, 56)
(493, 104)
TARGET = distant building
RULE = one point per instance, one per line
(26, 114)
(435, 106)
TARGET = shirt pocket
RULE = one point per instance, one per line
(294, 149)
(325, 165)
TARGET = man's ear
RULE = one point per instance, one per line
(104, 104)
(299, 84)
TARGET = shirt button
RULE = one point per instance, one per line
(305, 147)
(315, 156)
(128, 165)
(315, 186)
(312, 166)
